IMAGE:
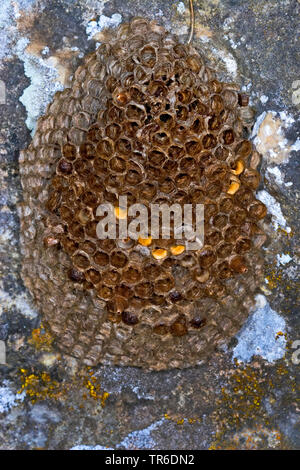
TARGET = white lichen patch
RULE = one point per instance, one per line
(94, 28)
(228, 60)
(264, 99)
(47, 74)
(20, 302)
(10, 12)
(2, 92)
(283, 259)
(49, 359)
(44, 83)
(296, 92)
(275, 173)
(113, 382)
(141, 439)
(180, 8)
(9, 399)
(269, 137)
(262, 335)
(83, 447)
(273, 206)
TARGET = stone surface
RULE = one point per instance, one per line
(221, 403)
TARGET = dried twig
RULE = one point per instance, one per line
(192, 22)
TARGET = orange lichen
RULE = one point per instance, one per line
(40, 386)
(41, 339)
(244, 392)
(250, 439)
(241, 406)
(94, 389)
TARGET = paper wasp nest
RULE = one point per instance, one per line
(146, 119)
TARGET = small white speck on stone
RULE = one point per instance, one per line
(8, 398)
(181, 8)
(231, 64)
(46, 50)
(283, 259)
(227, 25)
(278, 176)
(287, 119)
(249, 86)
(276, 173)
(274, 209)
(228, 60)
(141, 395)
(261, 301)
(257, 124)
(94, 27)
(83, 447)
(295, 84)
(19, 302)
(264, 99)
(259, 336)
(296, 145)
(41, 413)
(2, 92)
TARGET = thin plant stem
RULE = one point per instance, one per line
(192, 22)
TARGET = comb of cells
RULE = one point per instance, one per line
(144, 118)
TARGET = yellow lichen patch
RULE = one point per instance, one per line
(281, 370)
(41, 339)
(243, 394)
(160, 253)
(192, 420)
(40, 386)
(94, 389)
(145, 241)
(251, 439)
(241, 418)
(282, 231)
(280, 333)
(177, 250)
(181, 420)
(273, 278)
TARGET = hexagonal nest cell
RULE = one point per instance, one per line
(146, 119)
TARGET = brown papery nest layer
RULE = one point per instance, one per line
(146, 119)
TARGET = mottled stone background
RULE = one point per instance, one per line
(244, 397)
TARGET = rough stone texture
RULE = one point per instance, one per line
(222, 403)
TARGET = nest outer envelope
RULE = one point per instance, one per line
(179, 137)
